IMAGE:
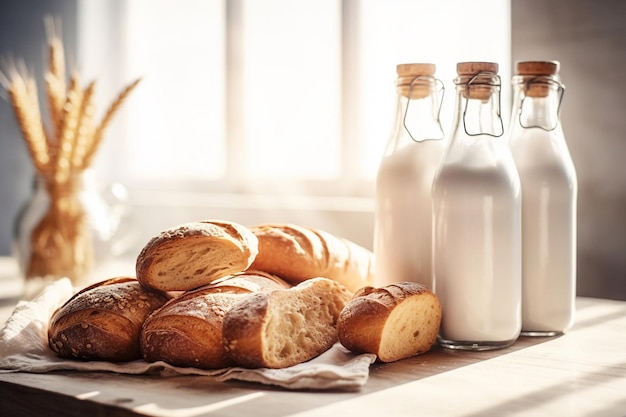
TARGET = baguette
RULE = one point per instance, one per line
(297, 253)
(103, 321)
(394, 322)
(187, 331)
(285, 327)
(194, 254)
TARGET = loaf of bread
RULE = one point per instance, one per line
(194, 254)
(285, 327)
(187, 331)
(297, 253)
(103, 321)
(394, 322)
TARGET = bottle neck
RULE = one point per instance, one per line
(536, 103)
(477, 108)
(418, 106)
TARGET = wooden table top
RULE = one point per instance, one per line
(582, 373)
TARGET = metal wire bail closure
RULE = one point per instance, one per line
(542, 79)
(440, 93)
(472, 81)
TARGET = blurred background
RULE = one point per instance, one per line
(278, 111)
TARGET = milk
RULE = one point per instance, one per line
(403, 219)
(478, 257)
(549, 191)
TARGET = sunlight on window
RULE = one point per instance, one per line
(292, 88)
(299, 94)
(177, 121)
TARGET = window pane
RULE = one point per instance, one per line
(292, 71)
(176, 127)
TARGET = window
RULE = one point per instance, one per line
(271, 97)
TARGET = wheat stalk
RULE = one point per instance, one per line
(84, 129)
(23, 96)
(55, 82)
(38, 125)
(69, 123)
(55, 75)
(99, 132)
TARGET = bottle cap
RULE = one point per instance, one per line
(537, 67)
(479, 79)
(409, 84)
(408, 70)
(540, 77)
(473, 68)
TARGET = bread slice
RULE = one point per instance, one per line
(285, 327)
(296, 253)
(394, 322)
(187, 331)
(103, 321)
(194, 254)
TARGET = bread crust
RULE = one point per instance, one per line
(394, 322)
(282, 328)
(103, 321)
(187, 331)
(194, 254)
(296, 253)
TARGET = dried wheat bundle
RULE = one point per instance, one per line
(60, 152)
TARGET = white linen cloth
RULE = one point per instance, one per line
(24, 348)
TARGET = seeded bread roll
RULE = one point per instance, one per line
(394, 322)
(187, 331)
(103, 321)
(285, 327)
(194, 254)
(297, 253)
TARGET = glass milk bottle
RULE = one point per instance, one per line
(549, 193)
(403, 225)
(477, 220)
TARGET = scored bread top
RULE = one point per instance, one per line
(248, 281)
(296, 253)
(289, 251)
(193, 303)
(194, 254)
(103, 321)
(381, 299)
(121, 295)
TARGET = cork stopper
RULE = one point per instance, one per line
(407, 83)
(537, 67)
(481, 88)
(408, 70)
(473, 68)
(544, 76)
